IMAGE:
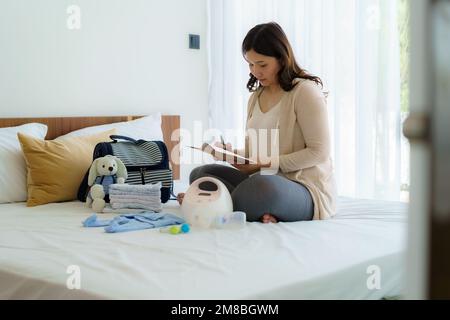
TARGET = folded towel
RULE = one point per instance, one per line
(131, 222)
(133, 205)
(139, 187)
(149, 202)
(137, 192)
(124, 198)
(136, 189)
(108, 209)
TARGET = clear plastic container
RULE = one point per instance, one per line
(232, 220)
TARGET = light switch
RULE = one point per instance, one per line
(194, 41)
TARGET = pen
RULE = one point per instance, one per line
(223, 141)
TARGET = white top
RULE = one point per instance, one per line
(305, 143)
(261, 130)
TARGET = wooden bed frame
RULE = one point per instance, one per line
(60, 126)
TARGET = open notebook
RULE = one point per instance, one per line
(224, 154)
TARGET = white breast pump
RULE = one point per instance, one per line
(207, 204)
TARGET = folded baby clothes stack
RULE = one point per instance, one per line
(144, 197)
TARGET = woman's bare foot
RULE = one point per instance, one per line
(180, 198)
(268, 218)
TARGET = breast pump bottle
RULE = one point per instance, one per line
(232, 220)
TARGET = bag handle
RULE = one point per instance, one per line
(117, 137)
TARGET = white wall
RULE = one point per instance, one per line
(129, 57)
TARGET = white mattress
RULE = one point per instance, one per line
(304, 260)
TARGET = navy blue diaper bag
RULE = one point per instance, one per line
(146, 162)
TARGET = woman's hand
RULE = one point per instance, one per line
(247, 168)
(220, 156)
(250, 168)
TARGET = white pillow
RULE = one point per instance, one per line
(146, 128)
(13, 170)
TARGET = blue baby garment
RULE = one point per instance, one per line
(106, 181)
(131, 222)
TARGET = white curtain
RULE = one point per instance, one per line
(353, 46)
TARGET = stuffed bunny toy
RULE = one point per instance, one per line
(104, 171)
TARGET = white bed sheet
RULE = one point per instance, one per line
(304, 260)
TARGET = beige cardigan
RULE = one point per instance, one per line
(304, 143)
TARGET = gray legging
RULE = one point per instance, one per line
(256, 195)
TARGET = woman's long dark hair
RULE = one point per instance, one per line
(269, 39)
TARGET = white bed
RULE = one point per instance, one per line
(306, 260)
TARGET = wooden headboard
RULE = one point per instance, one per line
(60, 126)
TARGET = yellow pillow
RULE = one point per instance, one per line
(57, 167)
